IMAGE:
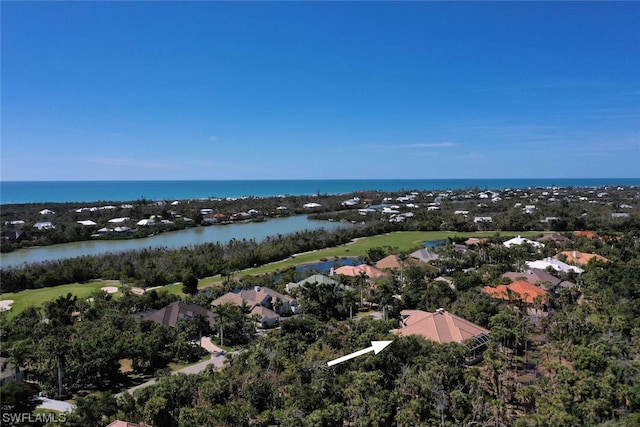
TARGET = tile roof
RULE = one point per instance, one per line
(581, 258)
(394, 262)
(425, 255)
(587, 234)
(354, 271)
(533, 276)
(254, 296)
(170, 314)
(525, 291)
(441, 326)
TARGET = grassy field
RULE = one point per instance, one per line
(404, 241)
(37, 297)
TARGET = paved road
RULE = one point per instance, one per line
(56, 405)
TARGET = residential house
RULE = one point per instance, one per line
(587, 234)
(175, 311)
(554, 237)
(119, 423)
(482, 219)
(579, 258)
(315, 279)
(557, 265)
(17, 235)
(119, 220)
(393, 262)
(44, 225)
(354, 271)
(425, 255)
(87, 223)
(474, 241)
(535, 276)
(8, 373)
(265, 302)
(47, 212)
(521, 240)
(444, 327)
(534, 297)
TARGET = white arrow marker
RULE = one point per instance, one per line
(376, 347)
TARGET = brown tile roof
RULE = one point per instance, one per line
(393, 262)
(580, 258)
(441, 326)
(254, 296)
(170, 314)
(522, 290)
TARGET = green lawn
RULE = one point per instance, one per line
(403, 240)
(37, 297)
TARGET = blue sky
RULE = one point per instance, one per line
(292, 90)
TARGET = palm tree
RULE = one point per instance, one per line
(222, 312)
(349, 297)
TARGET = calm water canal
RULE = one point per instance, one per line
(173, 240)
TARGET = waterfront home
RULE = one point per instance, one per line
(313, 280)
(44, 225)
(355, 271)
(17, 235)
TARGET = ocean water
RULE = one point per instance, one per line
(95, 191)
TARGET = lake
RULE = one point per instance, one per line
(172, 240)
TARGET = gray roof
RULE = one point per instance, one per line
(425, 255)
(533, 276)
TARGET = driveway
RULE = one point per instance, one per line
(218, 357)
(56, 405)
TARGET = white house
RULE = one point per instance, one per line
(146, 222)
(520, 240)
(44, 225)
(557, 265)
(47, 212)
(119, 220)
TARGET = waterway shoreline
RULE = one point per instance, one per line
(171, 240)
